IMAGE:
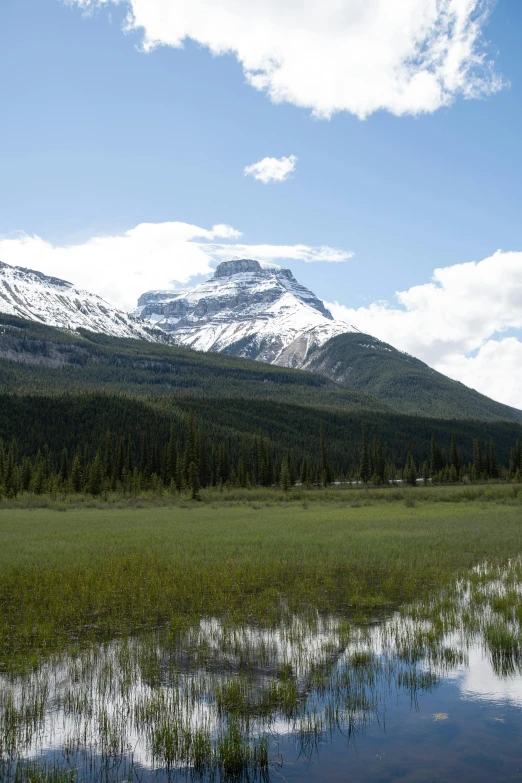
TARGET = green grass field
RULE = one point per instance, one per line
(100, 572)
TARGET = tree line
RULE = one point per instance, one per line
(190, 460)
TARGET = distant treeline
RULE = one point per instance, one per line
(186, 458)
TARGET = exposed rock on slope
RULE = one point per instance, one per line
(245, 310)
(49, 300)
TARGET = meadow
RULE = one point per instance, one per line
(69, 573)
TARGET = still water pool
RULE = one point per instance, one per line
(432, 692)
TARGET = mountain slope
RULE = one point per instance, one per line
(33, 295)
(363, 363)
(245, 310)
(60, 388)
(264, 314)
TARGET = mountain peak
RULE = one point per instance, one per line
(235, 267)
(247, 309)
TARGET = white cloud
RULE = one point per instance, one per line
(268, 253)
(151, 255)
(406, 57)
(452, 321)
(271, 169)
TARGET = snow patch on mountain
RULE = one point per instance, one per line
(249, 310)
(49, 300)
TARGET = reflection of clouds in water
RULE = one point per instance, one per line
(112, 698)
(479, 681)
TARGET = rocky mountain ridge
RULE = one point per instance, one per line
(29, 294)
(246, 310)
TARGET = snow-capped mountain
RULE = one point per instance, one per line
(247, 310)
(49, 300)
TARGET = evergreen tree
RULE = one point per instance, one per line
(120, 460)
(26, 474)
(179, 478)
(11, 475)
(171, 458)
(435, 466)
(306, 471)
(224, 463)
(194, 480)
(493, 465)
(379, 464)
(455, 455)
(96, 477)
(326, 474)
(364, 469)
(478, 463)
(107, 457)
(2, 462)
(77, 474)
(284, 476)
(64, 466)
(410, 471)
(129, 460)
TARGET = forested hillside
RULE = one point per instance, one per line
(65, 390)
(362, 363)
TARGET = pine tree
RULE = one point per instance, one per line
(435, 467)
(306, 471)
(455, 455)
(179, 477)
(378, 462)
(2, 462)
(324, 467)
(11, 475)
(64, 466)
(516, 459)
(77, 474)
(478, 463)
(364, 469)
(26, 474)
(410, 471)
(171, 458)
(194, 480)
(120, 460)
(493, 465)
(284, 476)
(129, 460)
(224, 463)
(39, 479)
(96, 478)
(204, 469)
(107, 457)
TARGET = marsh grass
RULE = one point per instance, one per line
(205, 699)
(189, 631)
(343, 493)
(93, 574)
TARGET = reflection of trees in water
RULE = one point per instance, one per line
(216, 699)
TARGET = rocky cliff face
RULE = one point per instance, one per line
(49, 300)
(247, 310)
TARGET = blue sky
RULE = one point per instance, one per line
(97, 137)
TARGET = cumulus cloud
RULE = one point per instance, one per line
(151, 255)
(406, 57)
(455, 323)
(271, 169)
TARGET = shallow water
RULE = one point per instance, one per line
(425, 695)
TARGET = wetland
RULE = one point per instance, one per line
(358, 635)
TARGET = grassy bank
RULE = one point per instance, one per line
(100, 572)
